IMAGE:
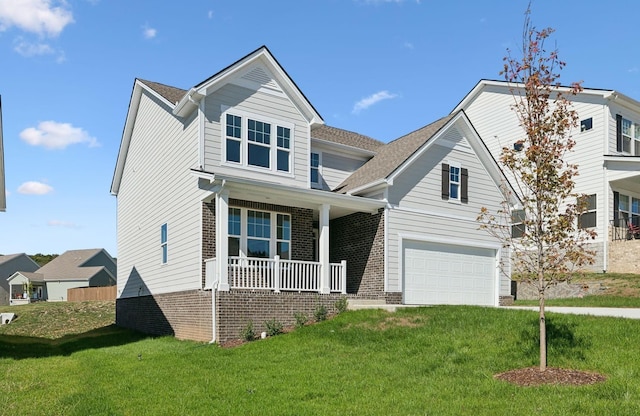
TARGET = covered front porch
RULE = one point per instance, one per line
(623, 173)
(265, 236)
(25, 288)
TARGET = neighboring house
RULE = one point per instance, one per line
(237, 188)
(73, 268)
(10, 264)
(607, 152)
(3, 194)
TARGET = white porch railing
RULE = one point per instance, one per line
(278, 275)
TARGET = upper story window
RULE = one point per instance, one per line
(164, 243)
(314, 169)
(250, 142)
(627, 136)
(455, 183)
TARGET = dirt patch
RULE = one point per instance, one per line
(532, 376)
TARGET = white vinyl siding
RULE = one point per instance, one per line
(334, 167)
(268, 107)
(157, 187)
(419, 211)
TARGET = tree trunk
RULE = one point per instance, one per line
(543, 335)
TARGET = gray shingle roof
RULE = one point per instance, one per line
(33, 277)
(171, 94)
(390, 156)
(8, 257)
(345, 137)
(68, 266)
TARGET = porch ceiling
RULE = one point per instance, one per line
(271, 193)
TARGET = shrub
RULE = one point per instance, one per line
(301, 319)
(248, 333)
(320, 314)
(274, 327)
(342, 304)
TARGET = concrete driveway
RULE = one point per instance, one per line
(631, 313)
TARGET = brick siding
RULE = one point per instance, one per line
(237, 307)
(359, 239)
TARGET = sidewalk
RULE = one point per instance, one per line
(631, 313)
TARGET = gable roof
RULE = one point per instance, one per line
(183, 102)
(33, 277)
(3, 194)
(345, 137)
(69, 266)
(390, 157)
(7, 257)
(606, 94)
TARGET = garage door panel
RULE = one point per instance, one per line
(448, 274)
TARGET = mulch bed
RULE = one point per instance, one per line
(532, 376)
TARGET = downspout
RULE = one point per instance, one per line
(605, 188)
(214, 287)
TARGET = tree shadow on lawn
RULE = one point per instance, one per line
(21, 347)
(561, 339)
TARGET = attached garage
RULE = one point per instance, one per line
(436, 274)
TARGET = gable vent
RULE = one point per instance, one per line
(260, 76)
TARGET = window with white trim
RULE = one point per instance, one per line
(251, 233)
(588, 218)
(314, 169)
(455, 181)
(164, 243)
(628, 208)
(250, 142)
(626, 135)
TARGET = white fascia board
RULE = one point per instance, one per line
(188, 103)
(314, 196)
(126, 136)
(371, 186)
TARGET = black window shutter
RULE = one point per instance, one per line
(618, 134)
(616, 207)
(464, 182)
(445, 181)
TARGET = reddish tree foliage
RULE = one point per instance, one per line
(551, 246)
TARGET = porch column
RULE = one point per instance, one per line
(222, 240)
(323, 243)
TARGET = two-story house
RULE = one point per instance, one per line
(607, 152)
(237, 203)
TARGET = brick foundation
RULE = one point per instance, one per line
(236, 308)
(623, 256)
(359, 239)
(186, 315)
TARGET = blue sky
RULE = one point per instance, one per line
(378, 67)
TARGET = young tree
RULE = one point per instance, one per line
(547, 245)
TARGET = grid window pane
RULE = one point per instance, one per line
(234, 126)
(163, 233)
(234, 221)
(259, 132)
(234, 246)
(453, 190)
(283, 250)
(635, 205)
(284, 137)
(233, 150)
(284, 227)
(258, 224)
(623, 204)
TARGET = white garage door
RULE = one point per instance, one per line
(436, 274)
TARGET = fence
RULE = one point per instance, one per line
(81, 294)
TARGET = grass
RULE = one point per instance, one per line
(418, 361)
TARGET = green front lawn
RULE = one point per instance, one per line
(418, 361)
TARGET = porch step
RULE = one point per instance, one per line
(355, 304)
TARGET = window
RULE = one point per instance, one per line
(163, 243)
(627, 136)
(517, 223)
(315, 168)
(250, 142)
(251, 233)
(627, 209)
(454, 183)
(586, 124)
(588, 218)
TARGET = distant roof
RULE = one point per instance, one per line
(390, 156)
(345, 137)
(68, 266)
(171, 94)
(7, 257)
(34, 277)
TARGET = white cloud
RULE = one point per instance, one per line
(43, 17)
(371, 100)
(53, 135)
(64, 224)
(210, 14)
(34, 188)
(632, 70)
(408, 45)
(149, 32)
(29, 49)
